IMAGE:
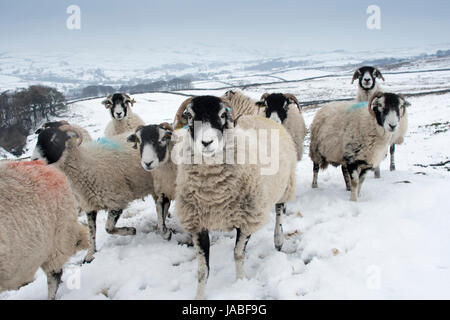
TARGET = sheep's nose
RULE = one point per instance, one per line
(148, 164)
(118, 114)
(392, 126)
(206, 143)
(366, 80)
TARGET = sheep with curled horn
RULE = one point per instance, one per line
(285, 109)
(354, 136)
(123, 118)
(237, 195)
(104, 175)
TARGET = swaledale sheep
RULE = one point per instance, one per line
(355, 136)
(105, 175)
(221, 195)
(367, 82)
(57, 124)
(240, 103)
(38, 224)
(285, 109)
(155, 148)
(123, 119)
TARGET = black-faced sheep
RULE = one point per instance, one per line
(38, 224)
(238, 193)
(285, 109)
(367, 82)
(123, 119)
(104, 175)
(155, 147)
(355, 136)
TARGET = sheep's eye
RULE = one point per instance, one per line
(188, 115)
(223, 115)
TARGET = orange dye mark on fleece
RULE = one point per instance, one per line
(48, 180)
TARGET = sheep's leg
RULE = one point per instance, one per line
(162, 208)
(346, 177)
(113, 216)
(278, 236)
(91, 218)
(362, 177)
(377, 173)
(53, 282)
(201, 244)
(392, 151)
(315, 174)
(354, 172)
(239, 253)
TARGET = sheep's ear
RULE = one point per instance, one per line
(378, 74)
(356, 75)
(133, 139)
(229, 114)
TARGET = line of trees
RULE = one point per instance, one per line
(23, 110)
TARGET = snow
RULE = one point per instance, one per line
(394, 243)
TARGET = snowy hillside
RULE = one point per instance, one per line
(392, 244)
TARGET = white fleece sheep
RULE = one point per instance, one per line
(241, 104)
(285, 109)
(367, 82)
(123, 119)
(236, 195)
(355, 136)
(105, 175)
(155, 148)
(38, 224)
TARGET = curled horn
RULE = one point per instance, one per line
(264, 96)
(178, 121)
(405, 103)
(294, 99)
(166, 126)
(378, 73)
(107, 102)
(129, 99)
(78, 135)
(232, 120)
(356, 75)
(371, 99)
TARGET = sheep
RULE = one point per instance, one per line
(123, 119)
(285, 109)
(105, 175)
(213, 195)
(355, 136)
(240, 103)
(38, 224)
(367, 82)
(57, 124)
(155, 147)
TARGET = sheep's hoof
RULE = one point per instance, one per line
(167, 235)
(278, 247)
(314, 186)
(127, 231)
(392, 168)
(349, 189)
(88, 259)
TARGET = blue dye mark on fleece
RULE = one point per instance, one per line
(358, 105)
(109, 144)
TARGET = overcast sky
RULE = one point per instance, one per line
(308, 25)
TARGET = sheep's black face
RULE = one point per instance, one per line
(153, 143)
(50, 145)
(208, 117)
(276, 107)
(118, 106)
(387, 110)
(367, 77)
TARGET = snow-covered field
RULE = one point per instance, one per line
(392, 244)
